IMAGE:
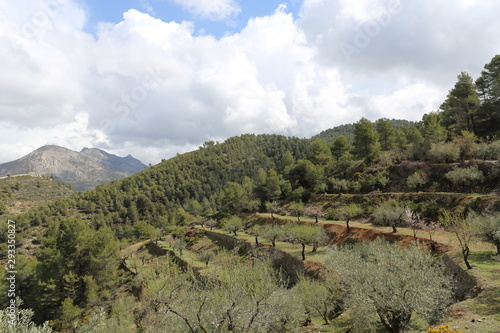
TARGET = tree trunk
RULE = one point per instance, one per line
(315, 247)
(465, 254)
(273, 242)
(473, 124)
(257, 240)
(303, 251)
(316, 218)
(325, 316)
(498, 249)
(394, 229)
(347, 224)
(395, 322)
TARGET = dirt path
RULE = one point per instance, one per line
(132, 248)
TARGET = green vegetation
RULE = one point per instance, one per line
(391, 282)
(145, 238)
(389, 213)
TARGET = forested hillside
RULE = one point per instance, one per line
(441, 169)
(347, 130)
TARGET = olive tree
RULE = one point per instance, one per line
(235, 297)
(206, 256)
(233, 224)
(389, 213)
(296, 209)
(349, 212)
(463, 228)
(272, 232)
(465, 178)
(323, 297)
(308, 235)
(391, 282)
(272, 207)
(489, 229)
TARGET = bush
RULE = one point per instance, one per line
(465, 177)
(444, 152)
(338, 185)
(467, 145)
(443, 329)
(417, 180)
(488, 151)
(489, 228)
(144, 230)
(372, 182)
(386, 158)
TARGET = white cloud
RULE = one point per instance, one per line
(214, 9)
(428, 38)
(153, 88)
(408, 102)
(19, 141)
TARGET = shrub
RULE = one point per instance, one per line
(338, 185)
(444, 152)
(488, 151)
(467, 145)
(465, 177)
(386, 158)
(375, 181)
(489, 228)
(144, 230)
(443, 329)
(355, 186)
(417, 180)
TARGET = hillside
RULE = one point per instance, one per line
(216, 184)
(82, 170)
(19, 194)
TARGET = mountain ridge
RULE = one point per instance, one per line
(82, 170)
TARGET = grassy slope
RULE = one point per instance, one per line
(20, 194)
(32, 192)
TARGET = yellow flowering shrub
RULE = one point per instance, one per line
(443, 329)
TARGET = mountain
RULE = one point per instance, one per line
(82, 170)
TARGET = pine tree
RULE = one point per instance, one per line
(366, 144)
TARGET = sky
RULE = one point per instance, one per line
(153, 78)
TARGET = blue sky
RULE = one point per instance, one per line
(146, 84)
(167, 10)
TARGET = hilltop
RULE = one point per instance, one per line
(82, 170)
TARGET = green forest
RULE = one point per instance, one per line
(245, 235)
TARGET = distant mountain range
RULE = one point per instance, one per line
(83, 170)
